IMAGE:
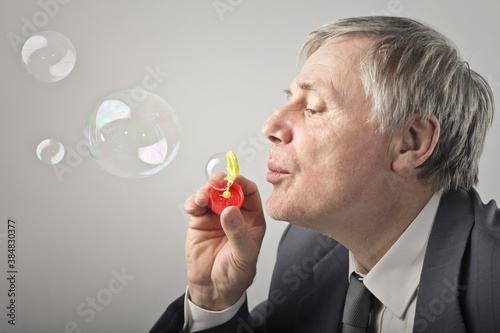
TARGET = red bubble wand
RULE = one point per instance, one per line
(233, 193)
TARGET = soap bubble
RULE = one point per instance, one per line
(50, 151)
(133, 134)
(49, 56)
(216, 171)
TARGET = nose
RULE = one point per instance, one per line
(277, 128)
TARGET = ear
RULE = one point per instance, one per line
(415, 143)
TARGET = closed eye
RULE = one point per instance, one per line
(311, 111)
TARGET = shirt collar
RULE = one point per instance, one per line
(396, 276)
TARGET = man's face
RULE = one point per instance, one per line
(327, 161)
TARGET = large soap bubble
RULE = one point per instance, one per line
(49, 56)
(133, 134)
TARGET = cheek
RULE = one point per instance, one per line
(343, 157)
(319, 158)
(325, 149)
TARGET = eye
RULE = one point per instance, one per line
(311, 111)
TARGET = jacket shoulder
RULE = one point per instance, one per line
(480, 276)
(486, 216)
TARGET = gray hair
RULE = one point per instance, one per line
(413, 71)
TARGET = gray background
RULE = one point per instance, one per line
(226, 72)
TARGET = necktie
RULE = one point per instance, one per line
(357, 307)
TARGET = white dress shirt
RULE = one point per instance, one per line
(198, 319)
(395, 278)
(393, 281)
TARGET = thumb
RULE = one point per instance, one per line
(236, 231)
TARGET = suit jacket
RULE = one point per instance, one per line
(459, 287)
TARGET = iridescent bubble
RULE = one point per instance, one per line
(49, 56)
(133, 134)
(216, 171)
(50, 151)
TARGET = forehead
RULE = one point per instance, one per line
(337, 60)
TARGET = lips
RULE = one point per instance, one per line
(276, 172)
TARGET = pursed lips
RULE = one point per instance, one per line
(276, 172)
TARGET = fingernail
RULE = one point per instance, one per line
(234, 219)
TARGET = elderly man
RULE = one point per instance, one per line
(373, 163)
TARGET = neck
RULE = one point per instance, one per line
(374, 235)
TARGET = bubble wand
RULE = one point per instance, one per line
(228, 193)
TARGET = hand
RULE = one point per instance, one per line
(222, 251)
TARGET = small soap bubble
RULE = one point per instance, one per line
(133, 134)
(216, 171)
(48, 56)
(50, 151)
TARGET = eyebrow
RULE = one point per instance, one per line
(306, 85)
(302, 85)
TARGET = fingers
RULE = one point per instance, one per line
(248, 186)
(252, 197)
(236, 231)
(197, 203)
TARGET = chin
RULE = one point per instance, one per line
(277, 209)
(286, 210)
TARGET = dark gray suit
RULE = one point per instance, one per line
(459, 286)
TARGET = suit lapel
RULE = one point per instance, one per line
(438, 308)
(321, 310)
